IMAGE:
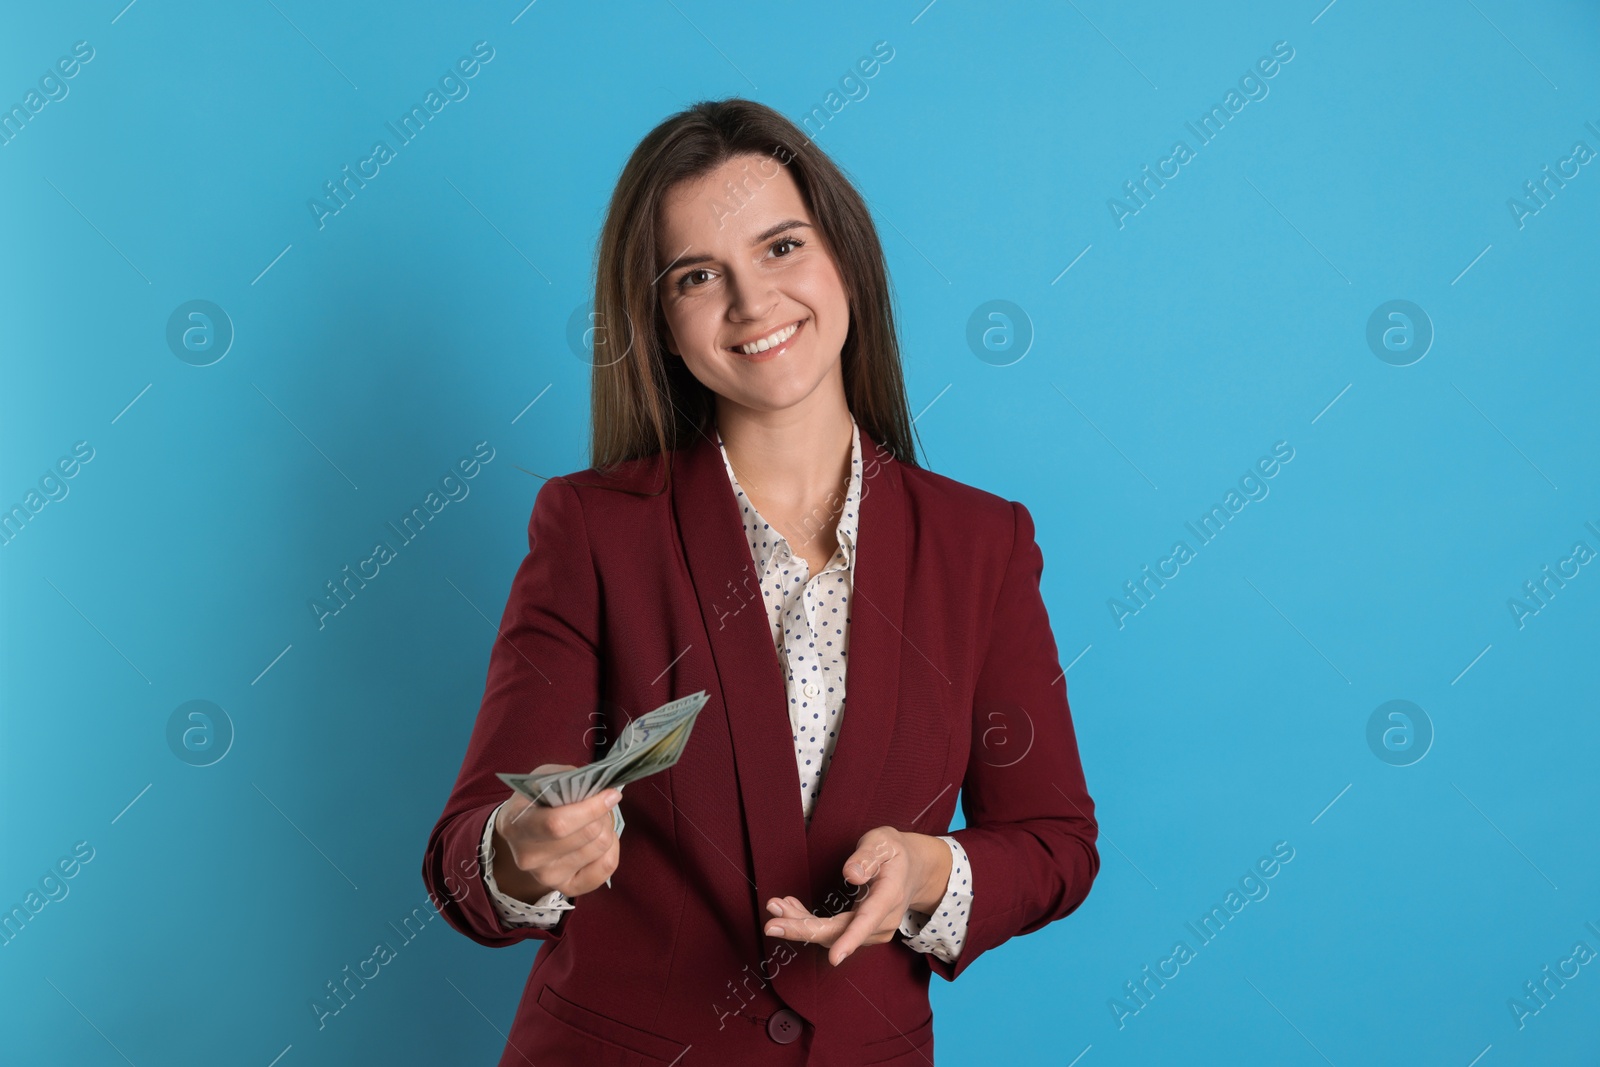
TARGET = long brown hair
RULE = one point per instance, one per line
(643, 402)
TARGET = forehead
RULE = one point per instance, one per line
(726, 207)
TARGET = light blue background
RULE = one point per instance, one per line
(1229, 314)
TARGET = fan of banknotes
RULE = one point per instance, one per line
(650, 743)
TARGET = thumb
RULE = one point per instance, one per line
(861, 866)
(872, 851)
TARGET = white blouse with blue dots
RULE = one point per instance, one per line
(810, 620)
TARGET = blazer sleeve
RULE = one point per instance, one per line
(540, 705)
(1030, 833)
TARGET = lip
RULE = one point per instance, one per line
(773, 353)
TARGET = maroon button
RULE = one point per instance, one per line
(784, 1026)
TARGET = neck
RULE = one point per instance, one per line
(791, 457)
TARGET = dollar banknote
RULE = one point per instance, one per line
(647, 745)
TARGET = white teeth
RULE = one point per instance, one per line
(769, 342)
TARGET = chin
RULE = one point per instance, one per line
(783, 399)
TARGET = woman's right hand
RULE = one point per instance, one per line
(570, 847)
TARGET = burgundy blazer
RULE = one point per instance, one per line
(626, 600)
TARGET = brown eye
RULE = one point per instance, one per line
(787, 241)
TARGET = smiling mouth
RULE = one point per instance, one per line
(776, 339)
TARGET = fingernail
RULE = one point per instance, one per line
(611, 799)
(773, 929)
(772, 906)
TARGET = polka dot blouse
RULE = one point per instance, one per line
(809, 615)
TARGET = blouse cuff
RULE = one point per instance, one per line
(942, 932)
(544, 912)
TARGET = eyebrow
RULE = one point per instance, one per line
(761, 238)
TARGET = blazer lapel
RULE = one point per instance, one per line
(754, 698)
(872, 679)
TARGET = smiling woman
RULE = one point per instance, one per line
(784, 891)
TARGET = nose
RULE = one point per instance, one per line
(750, 296)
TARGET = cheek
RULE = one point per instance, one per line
(822, 283)
(695, 337)
(828, 292)
(833, 305)
(688, 329)
(818, 289)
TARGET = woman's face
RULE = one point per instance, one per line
(744, 264)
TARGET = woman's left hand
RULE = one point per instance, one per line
(901, 872)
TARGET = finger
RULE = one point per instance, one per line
(594, 873)
(536, 852)
(805, 925)
(786, 908)
(534, 841)
(824, 929)
(567, 818)
(814, 929)
(574, 860)
(867, 919)
(564, 872)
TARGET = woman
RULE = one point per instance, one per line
(755, 523)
